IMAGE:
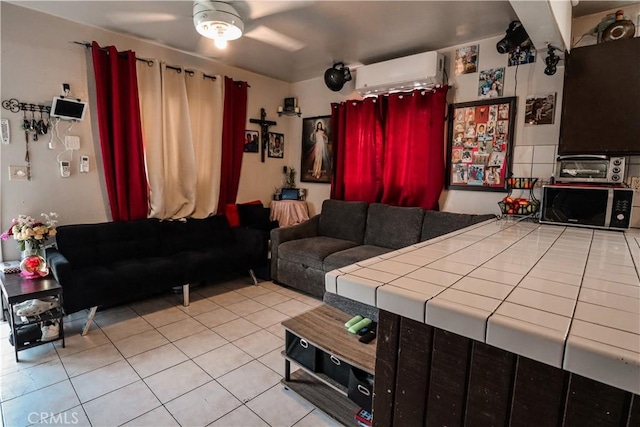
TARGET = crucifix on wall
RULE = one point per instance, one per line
(264, 131)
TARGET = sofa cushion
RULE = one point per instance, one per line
(95, 244)
(255, 216)
(352, 255)
(393, 227)
(312, 251)
(438, 223)
(343, 220)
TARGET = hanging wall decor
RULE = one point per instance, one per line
(480, 142)
(276, 145)
(317, 151)
(251, 141)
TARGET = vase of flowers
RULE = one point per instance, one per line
(31, 236)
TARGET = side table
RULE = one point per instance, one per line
(16, 289)
(289, 212)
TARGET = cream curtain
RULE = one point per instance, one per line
(182, 130)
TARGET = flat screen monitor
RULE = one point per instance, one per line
(289, 194)
(68, 109)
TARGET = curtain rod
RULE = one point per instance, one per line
(150, 63)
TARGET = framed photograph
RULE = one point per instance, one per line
(466, 60)
(251, 141)
(276, 145)
(289, 104)
(491, 83)
(540, 109)
(525, 54)
(479, 144)
(317, 150)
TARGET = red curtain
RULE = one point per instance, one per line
(414, 149)
(120, 132)
(358, 150)
(233, 124)
(390, 149)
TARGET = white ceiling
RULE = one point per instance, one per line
(353, 32)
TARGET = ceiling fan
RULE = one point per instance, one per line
(227, 20)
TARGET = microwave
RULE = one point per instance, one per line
(590, 169)
(587, 206)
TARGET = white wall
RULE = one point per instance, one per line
(37, 57)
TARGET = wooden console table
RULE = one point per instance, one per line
(323, 328)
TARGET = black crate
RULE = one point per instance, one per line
(301, 351)
(360, 389)
(335, 368)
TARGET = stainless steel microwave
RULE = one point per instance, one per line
(590, 169)
(587, 206)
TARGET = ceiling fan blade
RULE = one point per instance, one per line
(274, 38)
(260, 9)
(142, 17)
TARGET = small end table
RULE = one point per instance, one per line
(16, 289)
(289, 212)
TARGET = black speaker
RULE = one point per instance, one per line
(336, 76)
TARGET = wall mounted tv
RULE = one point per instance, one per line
(601, 99)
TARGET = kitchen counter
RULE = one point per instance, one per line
(567, 297)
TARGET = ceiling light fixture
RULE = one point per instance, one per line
(217, 20)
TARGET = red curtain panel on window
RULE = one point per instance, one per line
(358, 149)
(414, 169)
(120, 132)
(233, 124)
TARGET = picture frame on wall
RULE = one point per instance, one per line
(251, 141)
(316, 163)
(276, 146)
(480, 144)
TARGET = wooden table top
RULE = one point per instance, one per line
(17, 288)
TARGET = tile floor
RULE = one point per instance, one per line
(157, 363)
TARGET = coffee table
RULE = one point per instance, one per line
(16, 289)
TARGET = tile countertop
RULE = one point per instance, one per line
(567, 297)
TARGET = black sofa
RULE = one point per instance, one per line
(111, 263)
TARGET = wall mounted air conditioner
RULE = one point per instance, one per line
(420, 70)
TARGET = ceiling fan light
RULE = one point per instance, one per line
(217, 20)
(220, 43)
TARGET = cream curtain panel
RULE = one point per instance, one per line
(182, 130)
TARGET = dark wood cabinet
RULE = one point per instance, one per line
(601, 100)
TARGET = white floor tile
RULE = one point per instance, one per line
(317, 418)
(152, 361)
(181, 329)
(292, 307)
(203, 405)
(249, 380)
(216, 317)
(53, 399)
(158, 417)
(259, 343)
(240, 417)
(280, 407)
(126, 328)
(197, 307)
(228, 298)
(27, 380)
(72, 417)
(177, 380)
(101, 381)
(28, 358)
(267, 317)
(235, 329)
(121, 405)
(200, 343)
(275, 361)
(253, 291)
(140, 343)
(88, 360)
(246, 307)
(74, 342)
(222, 360)
(165, 317)
(271, 299)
